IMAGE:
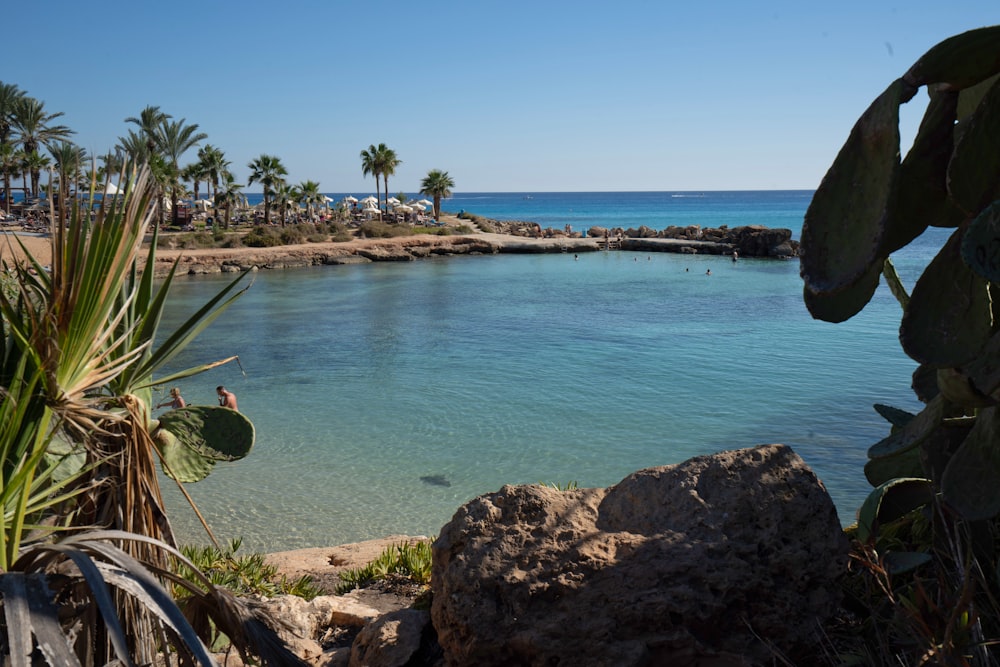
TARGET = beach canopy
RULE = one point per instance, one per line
(369, 200)
(425, 202)
(392, 201)
(349, 198)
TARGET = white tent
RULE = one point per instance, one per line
(112, 189)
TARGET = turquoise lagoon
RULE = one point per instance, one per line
(386, 395)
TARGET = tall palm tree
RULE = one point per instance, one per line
(310, 196)
(285, 198)
(195, 172)
(268, 171)
(69, 160)
(437, 184)
(149, 121)
(387, 163)
(370, 165)
(33, 128)
(32, 163)
(214, 164)
(10, 165)
(230, 194)
(9, 95)
(173, 139)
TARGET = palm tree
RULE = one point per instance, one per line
(173, 139)
(370, 165)
(309, 195)
(229, 195)
(437, 184)
(285, 197)
(69, 160)
(9, 96)
(214, 164)
(149, 122)
(33, 128)
(32, 163)
(387, 163)
(268, 171)
(194, 172)
(10, 165)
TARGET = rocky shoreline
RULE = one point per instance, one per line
(750, 241)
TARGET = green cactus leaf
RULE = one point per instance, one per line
(949, 319)
(894, 416)
(895, 284)
(903, 464)
(924, 383)
(65, 455)
(921, 197)
(971, 481)
(938, 448)
(984, 370)
(844, 226)
(959, 389)
(969, 99)
(192, 439)
(981, 243)
(960, 61)
(912, 433)
(890, 501)
(974, 170)
(845, 303)
(180, 462)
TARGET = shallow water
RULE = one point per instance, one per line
(386, 395)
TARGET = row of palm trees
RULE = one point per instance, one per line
(160, 141)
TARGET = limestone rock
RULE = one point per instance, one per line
(711, 559)
(390, 641)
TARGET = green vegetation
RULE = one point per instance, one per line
(566, 486)
(437, 184)
(245, 574)
(926, 550)
(79, 357)
(410, 561)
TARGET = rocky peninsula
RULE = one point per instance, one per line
(747, 241)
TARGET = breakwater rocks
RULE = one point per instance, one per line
(750, 241)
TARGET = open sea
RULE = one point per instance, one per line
(386, 395)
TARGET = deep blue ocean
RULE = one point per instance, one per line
(386, 395)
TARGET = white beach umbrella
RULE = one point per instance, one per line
(404, 208)
(351, 200)
(419, 207)
(112, 189)
(369, 200)
(392, 201)
(425, 202)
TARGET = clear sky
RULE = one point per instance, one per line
(548, 95)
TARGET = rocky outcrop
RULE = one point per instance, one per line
(725, 558)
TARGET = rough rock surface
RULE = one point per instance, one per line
(391, 641)
(718, 558)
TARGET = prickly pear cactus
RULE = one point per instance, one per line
(192, 439)
(870, 204)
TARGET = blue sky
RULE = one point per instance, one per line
(505, 96)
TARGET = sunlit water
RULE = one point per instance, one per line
(386, 395)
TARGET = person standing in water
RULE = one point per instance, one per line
(176, 400)
(227, 399)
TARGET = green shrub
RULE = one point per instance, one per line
(262, 237)
(246, 575)
(375, 229)
(412, 561)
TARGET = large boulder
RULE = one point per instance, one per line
(725, 558)
(759, 241)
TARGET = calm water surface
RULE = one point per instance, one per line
(386, 395)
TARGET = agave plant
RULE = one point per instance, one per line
(78, 360)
